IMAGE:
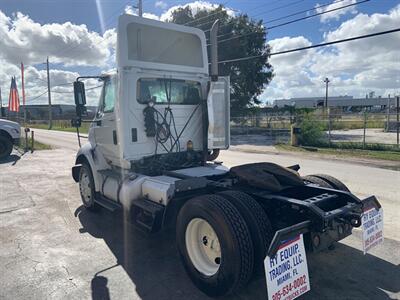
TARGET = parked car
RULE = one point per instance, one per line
(9, 135)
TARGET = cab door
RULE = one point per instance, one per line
(105, 132)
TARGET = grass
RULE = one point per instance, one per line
(369, 154)
(61, 127)
(36, 146)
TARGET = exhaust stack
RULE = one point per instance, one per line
(214, 50)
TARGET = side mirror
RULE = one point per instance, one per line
(80, 98)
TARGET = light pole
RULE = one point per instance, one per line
(326, 80)
(49, 94)
(140, 7)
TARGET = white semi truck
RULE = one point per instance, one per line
(161, 122)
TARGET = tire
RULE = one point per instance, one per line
(318, 181)
(258, 223)
(232, 269)
(86, 187)
(335, 183)
(213, 154)
(6, 146)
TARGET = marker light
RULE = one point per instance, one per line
(189, 145)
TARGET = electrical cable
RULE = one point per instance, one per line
(289, 22)
(205, 17)
(36, 97)
(303, 11)
(312, 46)
(291, 15)
(263, 5)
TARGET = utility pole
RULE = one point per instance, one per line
(388, 114)
(23, 90)
(327, 108)
(1, 105)
(49, 94)
(326, 80)
(140, 7)
(398, 120)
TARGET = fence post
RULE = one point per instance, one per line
(329, 125)
(388, 115)
(365, 126)
(398, 118)
(32, 140)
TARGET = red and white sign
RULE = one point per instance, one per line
(372, 227)
(287, 272)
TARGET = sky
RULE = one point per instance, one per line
(79, 38)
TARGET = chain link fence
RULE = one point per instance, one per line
(361, 130)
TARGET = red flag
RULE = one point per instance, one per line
(13, 99)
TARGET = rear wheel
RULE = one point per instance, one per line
(318, 181)
(335, 183)
(6, 146)
(215, 245)
(86, 187)
(213, 154)
(258, 223)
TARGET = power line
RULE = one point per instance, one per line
(289, 22)
(205, 17)
(36, 97)
(71, 92)
(312, 46)
(317, 14)
(263, 5)
(302, 12)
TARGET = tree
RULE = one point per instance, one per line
(249, 77)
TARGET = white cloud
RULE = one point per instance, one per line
(26, 40)
(36, 84)
(195, 7)
(132, 11)
(355, 68)
(161, 4)
(337, 13)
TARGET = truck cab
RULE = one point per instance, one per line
(163, 117)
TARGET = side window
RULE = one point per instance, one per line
(109, 96)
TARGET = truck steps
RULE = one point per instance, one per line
(107, 203)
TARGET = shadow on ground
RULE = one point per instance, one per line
(257, 140)
(13, 158)
(154, 267)
(346, 137)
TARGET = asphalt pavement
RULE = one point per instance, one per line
(52, 248)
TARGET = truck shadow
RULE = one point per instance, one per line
(13, 158)
(153, 265)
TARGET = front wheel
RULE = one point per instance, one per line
(86, 187)
(215, 245)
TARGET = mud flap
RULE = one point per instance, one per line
(370, 202)
(286, 234)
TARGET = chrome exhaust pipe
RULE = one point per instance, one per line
(214, 50)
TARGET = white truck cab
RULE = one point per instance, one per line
(161, 121)
(9, 135)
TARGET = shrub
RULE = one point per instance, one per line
(312, 131)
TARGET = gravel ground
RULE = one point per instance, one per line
(52, 248)
(372, 135)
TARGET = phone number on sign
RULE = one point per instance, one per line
(287, 289)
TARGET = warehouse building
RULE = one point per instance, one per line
(344, 102)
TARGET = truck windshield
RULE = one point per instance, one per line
(164, 91)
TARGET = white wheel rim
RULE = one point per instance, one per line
(203, 246)
(84, 186)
